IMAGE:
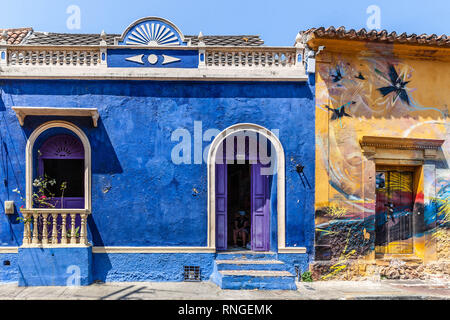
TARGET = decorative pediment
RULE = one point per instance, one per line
(384, 147)
(151, 32)
(400, 143)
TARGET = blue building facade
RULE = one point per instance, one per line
(151, 112)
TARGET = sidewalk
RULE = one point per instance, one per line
(328, 290)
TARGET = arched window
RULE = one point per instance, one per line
(61, 157)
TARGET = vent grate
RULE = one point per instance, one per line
(192, 273)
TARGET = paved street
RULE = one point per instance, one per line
(348, 290)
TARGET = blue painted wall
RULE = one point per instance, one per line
(117, 58)
(132, 267)
(9, 271)
(55, 266)
(139, 197)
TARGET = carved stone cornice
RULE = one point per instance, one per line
(400, 143)
(22, 112)
(371, 145)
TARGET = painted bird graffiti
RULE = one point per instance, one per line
(337, 76)
(339, 113)
(360, 76)
(397, 86)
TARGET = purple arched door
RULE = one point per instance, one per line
(259, 194)
(61, 158)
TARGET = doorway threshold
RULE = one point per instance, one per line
(243, 251)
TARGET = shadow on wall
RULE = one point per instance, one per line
(7, 173)
(11, 237)
(441, 162)
(104, 161)
(39, 90)
(104, 157)
(2, 104)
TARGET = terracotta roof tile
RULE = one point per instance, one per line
(49, 38)
(376, 36)
(17, 35)
(61, 39)
(242, 40)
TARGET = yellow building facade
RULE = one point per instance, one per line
(382, 155)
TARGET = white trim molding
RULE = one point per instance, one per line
(153, 250)
(292, 250)
(9, 250)
(280, 179)
(56, 246)
(87, 159)
(271, 74)
(22, 112)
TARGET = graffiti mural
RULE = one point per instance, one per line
(361, 219)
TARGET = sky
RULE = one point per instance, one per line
(276, 21)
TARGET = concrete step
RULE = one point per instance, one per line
(257, 273)
(255, 279)
(262, 264)
(246, 255)
(252, 270)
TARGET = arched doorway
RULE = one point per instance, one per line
(61, 158)
(265, 187)
(243, 193)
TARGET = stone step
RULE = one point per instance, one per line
(251, 265)
(246, 255)
(255, 279)
(256, 273)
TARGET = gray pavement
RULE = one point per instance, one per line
(328, 290)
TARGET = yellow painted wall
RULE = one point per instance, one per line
(352, 80)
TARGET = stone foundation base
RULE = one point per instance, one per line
(394, 269)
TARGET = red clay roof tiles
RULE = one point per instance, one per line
(17, 35)
(377, 36)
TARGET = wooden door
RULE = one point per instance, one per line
(260, 208)
(221, 206)
(393, 212)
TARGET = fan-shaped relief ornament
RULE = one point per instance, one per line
(152, 32)
(62, 147)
